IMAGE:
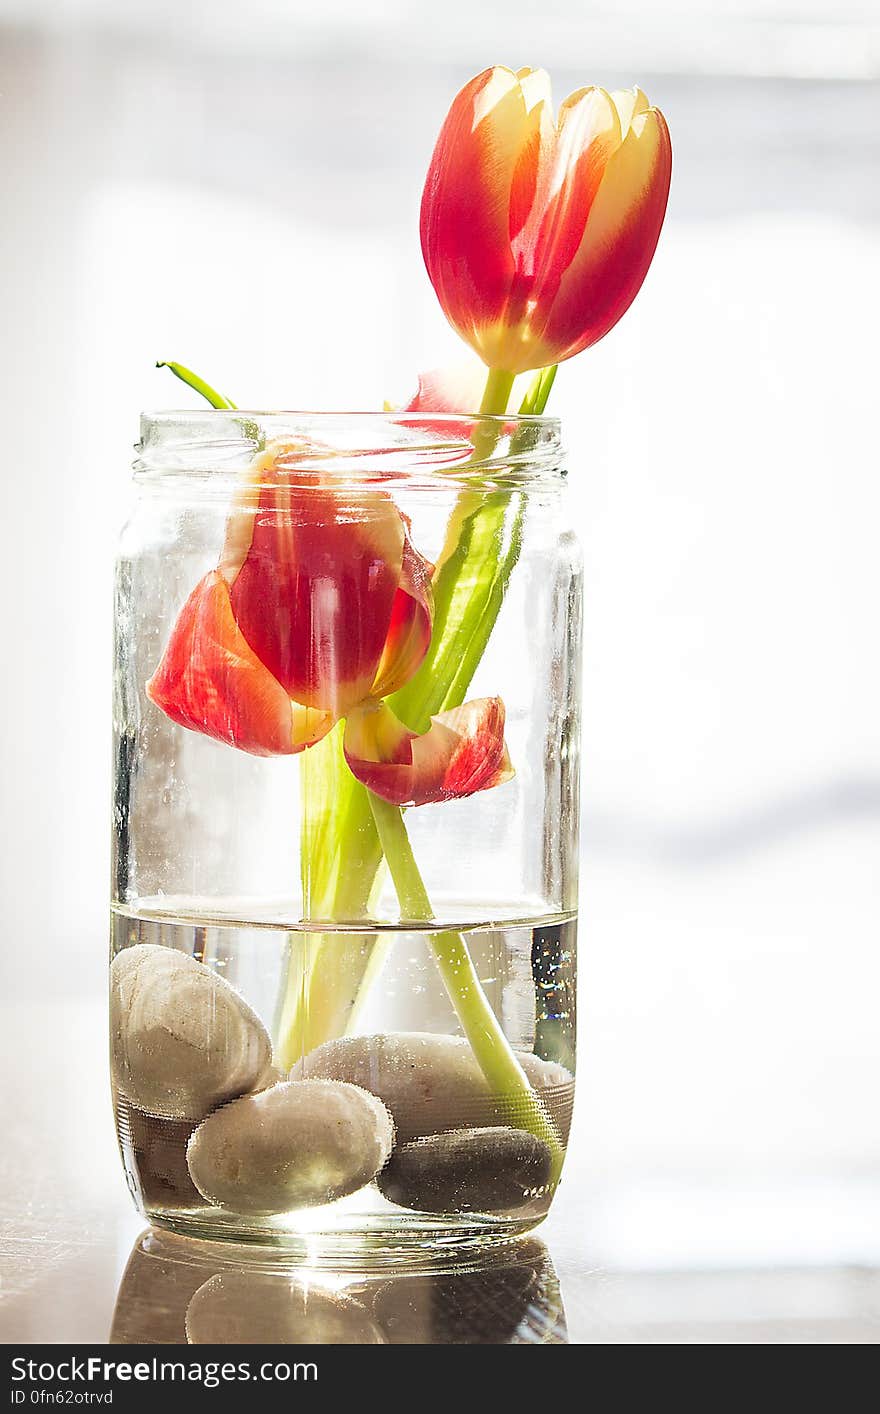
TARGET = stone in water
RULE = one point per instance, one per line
(494, 1170)
(293, 1146)
(182, 1040)
(434, 1082)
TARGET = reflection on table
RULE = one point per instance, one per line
(175, 1291)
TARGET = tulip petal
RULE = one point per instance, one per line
(629, 102)
(444, 392)
(316, 588)
(537, 142)
(462, 752)
(619, 240)
(409, 632)
(458, 388)
(211, 681)
(465, 215)
(588, 133)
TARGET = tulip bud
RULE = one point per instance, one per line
(538, 232)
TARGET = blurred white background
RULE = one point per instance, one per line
(236, 186)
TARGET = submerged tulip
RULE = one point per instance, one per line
(320, 608)
(537, 233)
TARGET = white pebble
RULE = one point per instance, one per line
(433, 1082)
(293, 1146)
(182, 1040)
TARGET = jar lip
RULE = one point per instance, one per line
(329, 415)
(211, 446)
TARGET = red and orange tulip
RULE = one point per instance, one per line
(538, 232)
(319, 609)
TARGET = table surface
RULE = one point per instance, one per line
(77, 1264)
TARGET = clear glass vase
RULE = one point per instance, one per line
(345, 828)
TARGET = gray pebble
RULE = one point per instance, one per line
(469, 1170)
(182, 1040)
(433, 1082)
(292, 1146)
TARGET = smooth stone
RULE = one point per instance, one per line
(293, 1146)
(255, 1308)
(432, 1083)
(271, 1076)
(494, 1170)
(182, 1039)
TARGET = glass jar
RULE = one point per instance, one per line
(345, 828)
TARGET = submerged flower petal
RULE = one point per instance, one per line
(211, 681)
(462, 752)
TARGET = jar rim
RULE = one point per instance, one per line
(347, 414)
(213, 445)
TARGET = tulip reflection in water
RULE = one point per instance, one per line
(177, 1292)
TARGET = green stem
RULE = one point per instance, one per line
(198, 385)
(496, 396)
(340, 866)
(535, 400)
(504, 1074)
(341, 851)
(468, 592)
(408, 883)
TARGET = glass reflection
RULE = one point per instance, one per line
(175, 1291)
